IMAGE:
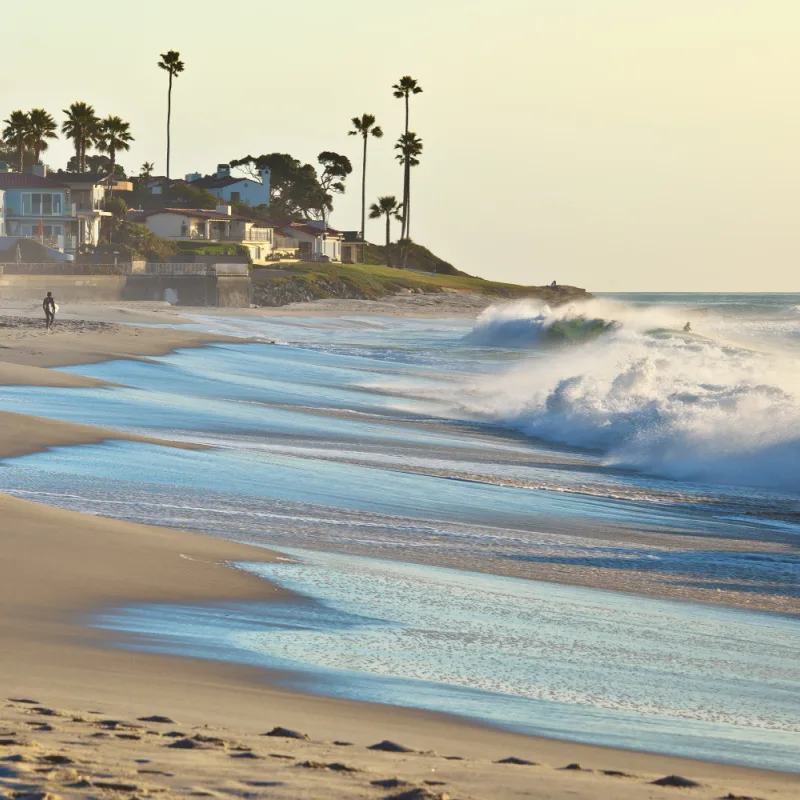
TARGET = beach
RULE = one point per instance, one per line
(60, 567)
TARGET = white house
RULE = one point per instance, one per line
(2, 214)
(317, 242)
(231, 189)
(218, 226)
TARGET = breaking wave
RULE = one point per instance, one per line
(653, 398)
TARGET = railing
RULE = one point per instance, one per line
(170, 269)
(63, 268)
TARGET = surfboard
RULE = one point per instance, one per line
(55, 309)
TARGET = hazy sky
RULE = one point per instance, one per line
(613, 144)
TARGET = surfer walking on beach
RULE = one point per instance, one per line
(49, 306)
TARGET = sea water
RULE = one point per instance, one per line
(376, 452)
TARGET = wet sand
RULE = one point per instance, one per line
(57, 567)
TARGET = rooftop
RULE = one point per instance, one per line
(25, 180)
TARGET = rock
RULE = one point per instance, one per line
(390, 747)
(36, 796)
(675, 780)
(343, 744)
(116, 787)
(57, 758)
(287, 733)
(215, 741)
(186, 744)
(616, 773)
(577, 767)
(245, 754)
(23, 700)
(390, 783)
(419, 793)
(515, 760)
(159, 719)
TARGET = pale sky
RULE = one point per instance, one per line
(627, 145)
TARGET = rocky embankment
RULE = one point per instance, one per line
(298, 289)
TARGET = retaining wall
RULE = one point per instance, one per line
(184, 290)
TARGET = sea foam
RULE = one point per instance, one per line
(652, 397)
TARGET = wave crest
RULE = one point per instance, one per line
(687, 407)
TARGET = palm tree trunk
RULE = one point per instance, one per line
(21, 154)
(404, 227)
(169, 117)
(388, 239)
(408, 201)
(113, 154)
(364, 201)
(82, 158)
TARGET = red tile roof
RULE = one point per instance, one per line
(20, 180)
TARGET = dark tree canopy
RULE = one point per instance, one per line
(295, 190)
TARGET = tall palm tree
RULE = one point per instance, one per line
(16, 134)
(41, 126)
(389, 207)
(365, 127)
(115, 135)
(403, 89)
(171, 62)
(82, 126)
(410, 147)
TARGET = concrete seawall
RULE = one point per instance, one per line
(184, 290)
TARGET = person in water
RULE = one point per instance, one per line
(687, 327)
(49, 306)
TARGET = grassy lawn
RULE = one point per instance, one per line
(379, 281)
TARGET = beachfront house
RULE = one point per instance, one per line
(317, 242)
(88, 193)
(233, 189)
(218, 226)
(40, 207)
(352, 245)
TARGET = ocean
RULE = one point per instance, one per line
(579, 522)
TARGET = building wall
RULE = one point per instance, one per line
(169, 225)
(250, 192)
(2, 215)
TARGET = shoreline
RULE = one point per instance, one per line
(60, 566)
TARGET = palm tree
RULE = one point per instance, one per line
(171, 62)
(410, 147)
(82, 126)
(16, 133)
(114, 135)
(389, 207)
(146, 170)
(365, 127)
(41, 126)
(403, 89)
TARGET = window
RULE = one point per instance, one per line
(38, 204)
(235, 197)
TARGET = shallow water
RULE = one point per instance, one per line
(573, 663)
(464, 444)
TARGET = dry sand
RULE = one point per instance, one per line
(58, 567)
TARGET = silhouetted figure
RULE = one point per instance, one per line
(687, 328)
(49, 306)
(553, 285)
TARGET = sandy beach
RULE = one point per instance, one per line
(79, 716)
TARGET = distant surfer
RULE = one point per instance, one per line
(687, 328)
(50, 308)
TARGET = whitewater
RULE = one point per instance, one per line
(580, 522)
(717, 404)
